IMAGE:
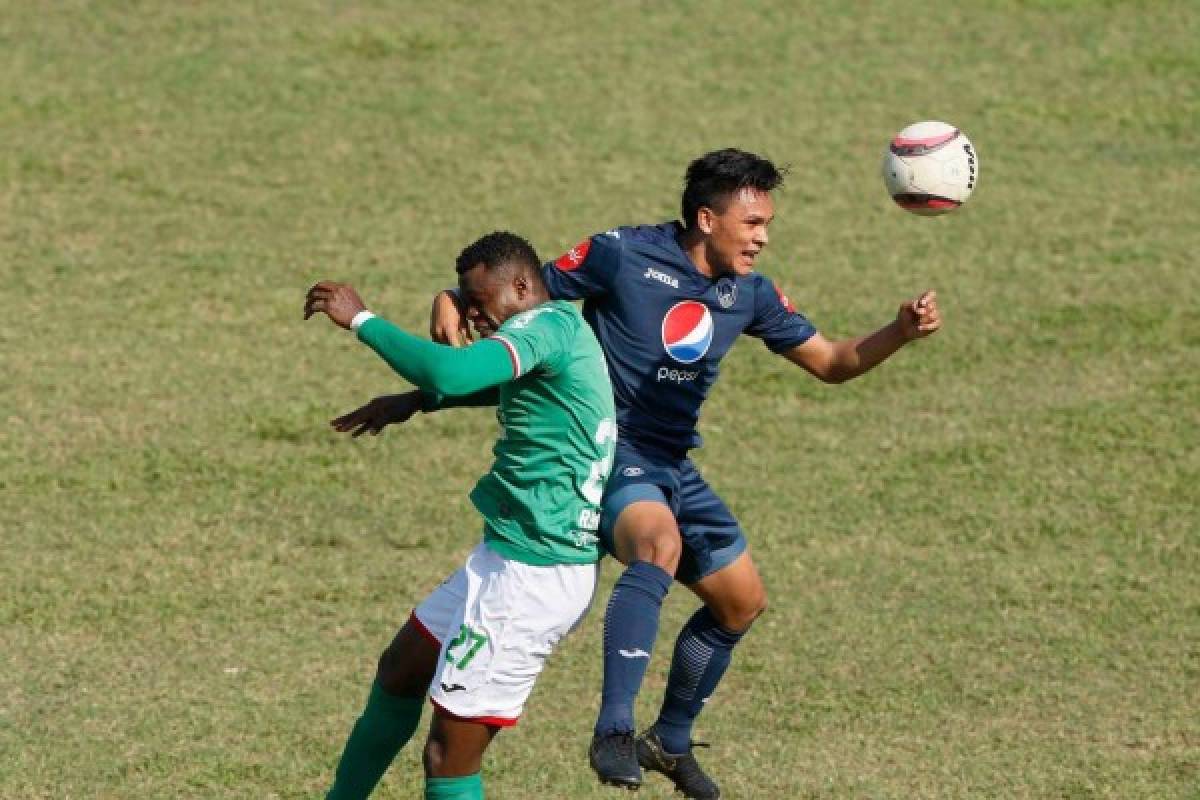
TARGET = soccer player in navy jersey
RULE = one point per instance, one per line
(667, 302)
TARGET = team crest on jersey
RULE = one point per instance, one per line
(687, 331)
(571, 259)
(726, 293)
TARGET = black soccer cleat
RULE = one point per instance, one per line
(683, 770)
(614, 758)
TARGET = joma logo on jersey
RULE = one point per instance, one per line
(661, 277)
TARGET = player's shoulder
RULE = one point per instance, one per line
(551, 314)
(767, 290)
(662, 235)
(624, 236)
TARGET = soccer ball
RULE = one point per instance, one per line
(930, 168)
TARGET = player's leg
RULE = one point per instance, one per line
(646, 539)
(454, 757)
(733, 597)
(638, 528)
(510, 620)
(718, 569)
(392, 712)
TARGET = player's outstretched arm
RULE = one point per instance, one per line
(436, 368)
(390, 409)
(843, 360)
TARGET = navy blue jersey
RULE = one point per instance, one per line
(664, 326)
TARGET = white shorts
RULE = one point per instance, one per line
(496, 621)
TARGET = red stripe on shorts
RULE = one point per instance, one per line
(499, 722)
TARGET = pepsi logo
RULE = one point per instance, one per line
(687, 331)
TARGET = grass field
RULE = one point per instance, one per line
(983, 560)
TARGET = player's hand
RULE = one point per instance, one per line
(376, 415)
(919, 317)
(338, 301)
(448, 321)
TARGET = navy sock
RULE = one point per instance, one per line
(702, 654)
(630, 627)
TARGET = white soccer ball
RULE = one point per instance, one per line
(930, 168)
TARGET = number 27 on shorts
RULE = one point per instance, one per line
(464, 646)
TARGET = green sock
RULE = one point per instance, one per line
(468, 787)
(386, 725)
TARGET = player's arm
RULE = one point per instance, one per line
(843, 360)
(435, 368)
(396, 409)
(392, 409)
(586, 270)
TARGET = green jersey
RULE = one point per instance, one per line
(541, 498)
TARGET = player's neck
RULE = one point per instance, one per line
(536, 298)
(693, 245)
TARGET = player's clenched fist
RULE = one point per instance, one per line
(338, 301)
(919, 317)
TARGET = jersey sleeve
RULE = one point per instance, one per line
(435, 401)
(586, 270)
(776, 320)
(438, 368)
(538, 339)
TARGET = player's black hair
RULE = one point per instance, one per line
(499, 249)
(713, 177)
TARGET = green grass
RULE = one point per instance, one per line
(983, 560)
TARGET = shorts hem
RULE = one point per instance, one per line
(498, 722)
(424, 631)
(718, 560)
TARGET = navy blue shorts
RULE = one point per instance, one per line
(712, 538)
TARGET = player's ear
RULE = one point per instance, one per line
(704, 220)
(521, 286)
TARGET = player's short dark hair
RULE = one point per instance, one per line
(713, 177)
(499, 249)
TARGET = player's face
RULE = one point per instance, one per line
(738, 234)
(491, 297)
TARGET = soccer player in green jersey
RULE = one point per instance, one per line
(476, 644)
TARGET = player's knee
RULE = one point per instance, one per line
(395, 675)
(756, 610)
(665, 548)
(648, 532)
(742, 616)
(659, 545)
(388, 673)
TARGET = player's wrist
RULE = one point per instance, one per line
(899, 332)
(361, 317)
